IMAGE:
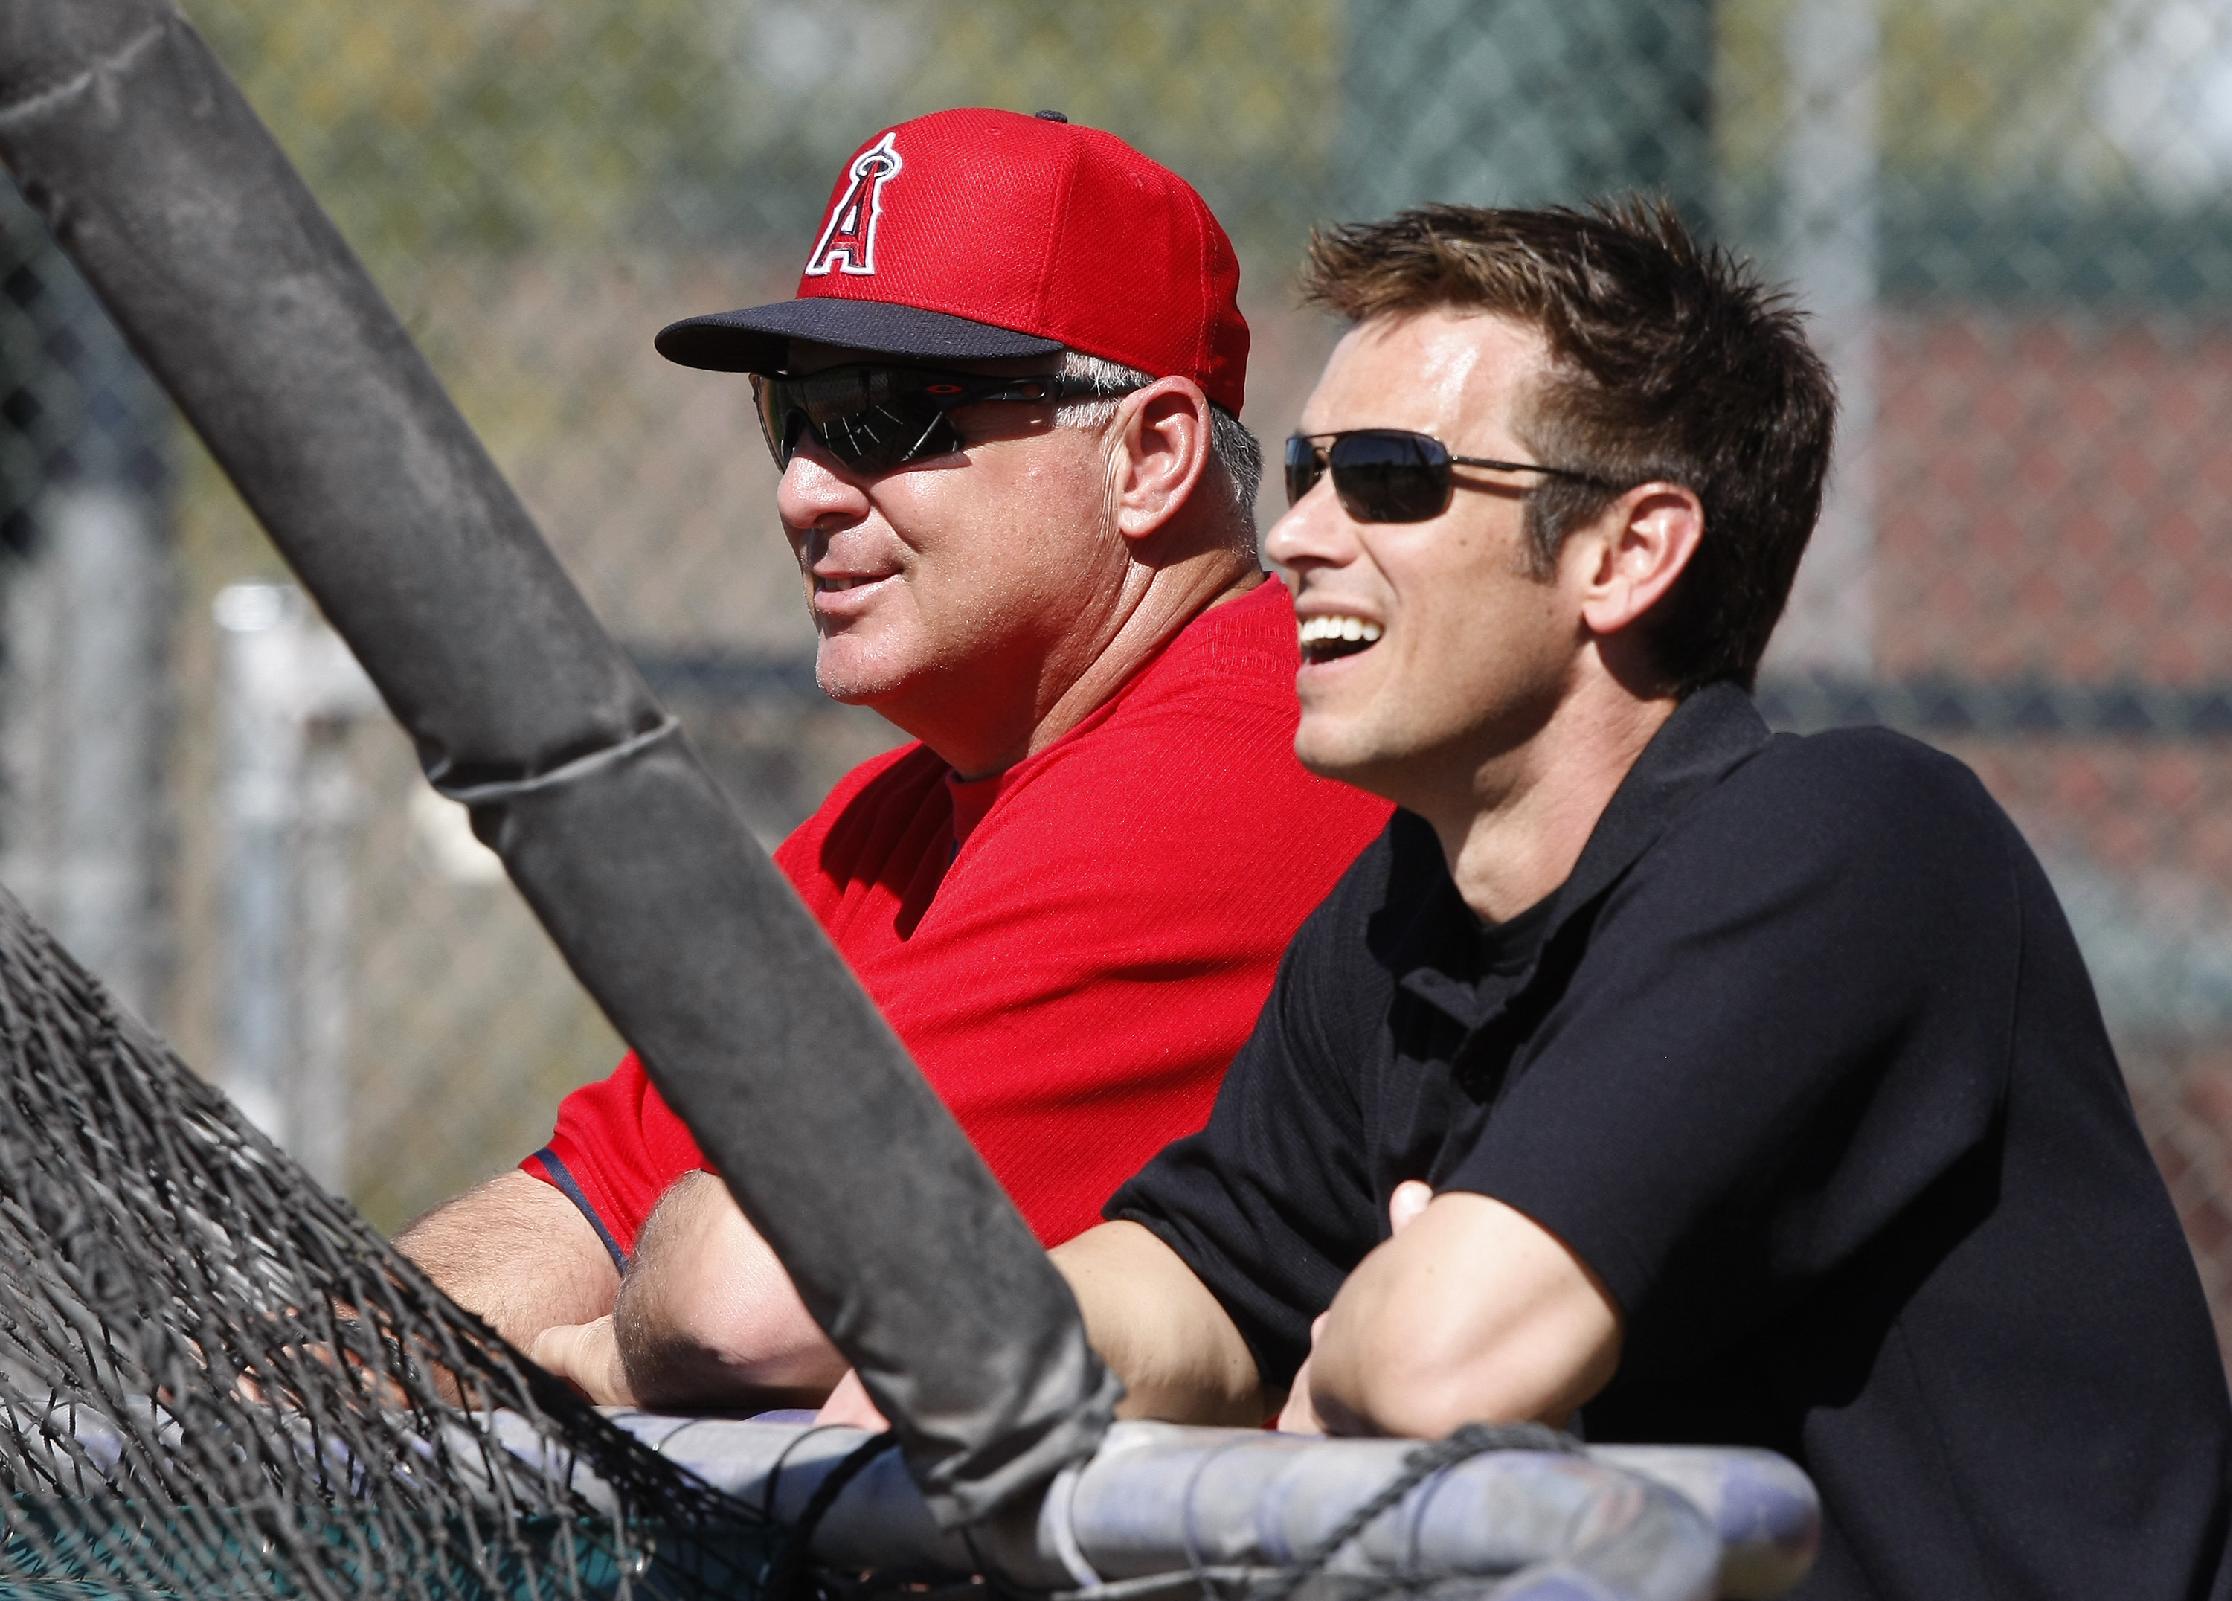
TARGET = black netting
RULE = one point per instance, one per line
(217, 1380)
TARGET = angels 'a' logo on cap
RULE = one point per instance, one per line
(848, 241)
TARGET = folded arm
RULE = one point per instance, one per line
(1472, 1312)
(706, 1317)
(519, 1253)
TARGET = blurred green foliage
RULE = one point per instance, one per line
(433, 127)
(493, 126)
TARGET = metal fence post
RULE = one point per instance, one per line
(1830, 188)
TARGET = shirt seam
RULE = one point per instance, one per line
(1978, 1567)
(563, 1181)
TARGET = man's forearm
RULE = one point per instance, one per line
(707, 1315)
(1470, 1314)
(517, 1252)
(1161, 1331)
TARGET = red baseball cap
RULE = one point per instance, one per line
(974, 235)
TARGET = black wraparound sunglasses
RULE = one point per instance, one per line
(874, 417)
(1391, 475)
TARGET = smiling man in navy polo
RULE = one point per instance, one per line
(1653, 1071)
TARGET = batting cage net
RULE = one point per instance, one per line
(2010, 219)
(217, 1380)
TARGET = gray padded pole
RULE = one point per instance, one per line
(242, 299)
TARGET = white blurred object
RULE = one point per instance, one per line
(443, 833)
(290, 691)
(2163, 98)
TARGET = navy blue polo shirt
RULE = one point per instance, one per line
(1803, 1062)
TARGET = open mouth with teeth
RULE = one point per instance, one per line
(1327, 639)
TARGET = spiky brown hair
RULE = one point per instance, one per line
(1669, 360)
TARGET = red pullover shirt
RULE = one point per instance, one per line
(1073, 950)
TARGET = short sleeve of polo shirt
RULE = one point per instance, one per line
(1793, 1018)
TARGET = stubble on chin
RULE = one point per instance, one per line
(854, 673)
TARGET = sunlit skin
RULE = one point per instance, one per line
(984, 601)
(1498, 704)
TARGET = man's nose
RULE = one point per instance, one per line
(1314, 532)
(817, 488)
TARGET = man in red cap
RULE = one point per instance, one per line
(1005, 403)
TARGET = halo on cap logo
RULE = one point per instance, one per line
(848, 241)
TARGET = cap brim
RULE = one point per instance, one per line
(755, 339)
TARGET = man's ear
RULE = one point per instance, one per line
(1633, 553)
(1159, 453)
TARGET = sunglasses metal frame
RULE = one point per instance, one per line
(939, 393)
(1436, 462)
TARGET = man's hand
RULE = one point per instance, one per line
(587, 1356)
(1299, 1416)
(849, 1405)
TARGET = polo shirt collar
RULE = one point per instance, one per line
(1709, 734)
(972, 798)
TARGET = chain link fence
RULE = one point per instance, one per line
(2012, 222)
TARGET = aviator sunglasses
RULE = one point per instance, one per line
(874, 418)
(1391, 475)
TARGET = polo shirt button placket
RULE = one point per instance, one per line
(1481, 1062)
